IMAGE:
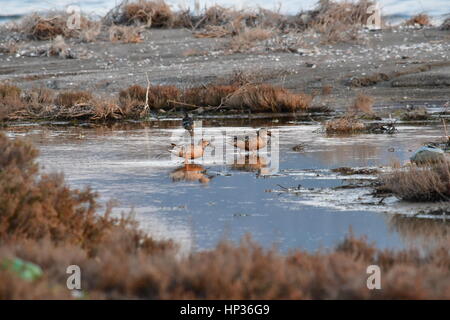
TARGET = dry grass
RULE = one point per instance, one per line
(156, 14)
(349, 123)
(429, 182)
(344, 125)
(125, 34)
(71, 98)
(130, 103)
(422, 20)
(339, 21)
(45, 222)
(49, 27)
(10, 100)
(268, 98)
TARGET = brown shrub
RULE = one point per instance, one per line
(339, 21)
(156, 14)
(420, 19)
(45, 28)
(71, 98)
(159, 97)
(344, 125)
(268, 98)
(10, 100)
(430, 182)
(210, 96)
(37, 207)
(135, 92)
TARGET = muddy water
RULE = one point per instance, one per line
(200, 204)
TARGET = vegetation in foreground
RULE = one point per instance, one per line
(46, 223)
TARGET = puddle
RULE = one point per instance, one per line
(200, 204)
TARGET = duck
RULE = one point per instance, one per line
(191, 151)
(188, 123)
(253, 143)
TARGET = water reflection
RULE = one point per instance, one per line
(252, 163)
(425, 232)
(190, 173)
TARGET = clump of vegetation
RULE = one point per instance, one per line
(135, 101)
(39, 27)
(338, 21)
(344, 125)
(425, 182)
(10, 100)
(71, 98)
(422, 20)
(268, 98)
(125, 34)
(350, 122)
(52, 226)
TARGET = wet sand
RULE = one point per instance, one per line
(105, 67)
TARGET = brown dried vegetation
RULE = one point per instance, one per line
(134, 102)
(422, 20)
(429, 182)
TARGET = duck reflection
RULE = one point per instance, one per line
(252, 163)
(190, 173)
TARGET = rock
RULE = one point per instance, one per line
(428, 154)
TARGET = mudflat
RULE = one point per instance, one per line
(396, 66)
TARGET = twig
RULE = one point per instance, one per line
(445, 130)
(183, 104)
(146, 106)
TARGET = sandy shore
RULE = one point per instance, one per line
(418, 61)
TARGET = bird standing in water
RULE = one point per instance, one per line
(191, 151)
(188, 123)
(253, 143)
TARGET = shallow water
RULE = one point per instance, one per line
(198, 206)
